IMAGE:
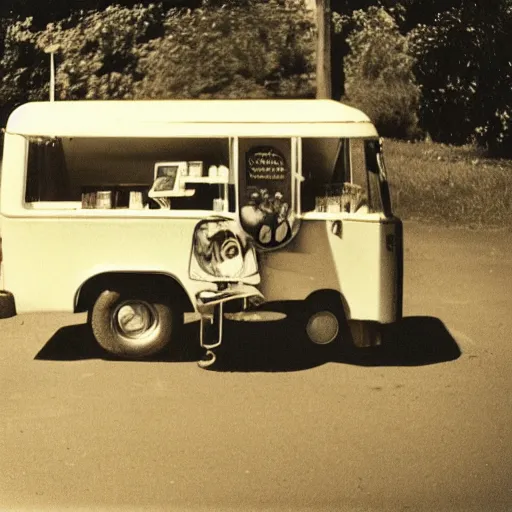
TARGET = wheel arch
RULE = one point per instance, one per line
(90, 289)
(333, 296)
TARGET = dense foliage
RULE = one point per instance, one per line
(98, 57)
(464, 66)
(379, 75)
(23, 69)
(263, 50)
(455, 70)
(48, 11)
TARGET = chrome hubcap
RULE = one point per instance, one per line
(134, 319)
(323, 327)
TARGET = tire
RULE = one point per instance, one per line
(133, 324)
(324, 320)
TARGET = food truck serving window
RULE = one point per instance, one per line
(343, 175)
(68, 169)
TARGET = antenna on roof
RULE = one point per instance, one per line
(51, 50)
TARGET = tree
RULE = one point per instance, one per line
(48, 11)
(464, 67)
(342, 26)
(263, 50)
(424, 12)
(99, 55)
(23, 68)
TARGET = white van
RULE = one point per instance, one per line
(138, 211)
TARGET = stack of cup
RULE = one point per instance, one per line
(135, 200)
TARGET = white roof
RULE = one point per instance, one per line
(186, 118)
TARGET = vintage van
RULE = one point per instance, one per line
(139, 211)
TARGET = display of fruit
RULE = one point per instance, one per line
(265, 235)
(281, 232)
(252, 216)
(266, 217)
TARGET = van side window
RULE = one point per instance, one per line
(47, 173)
(324, 168)
(363, 177)
(367, 154)
(334, 175)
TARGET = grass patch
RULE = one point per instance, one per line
(453, 185)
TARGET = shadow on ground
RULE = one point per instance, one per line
(414, 341)
(277, 347)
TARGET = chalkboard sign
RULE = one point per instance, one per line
(265, 163)
(265, 195)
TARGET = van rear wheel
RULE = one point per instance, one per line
(132, 324)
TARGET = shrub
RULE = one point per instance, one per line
(378, 73)
(391, 107)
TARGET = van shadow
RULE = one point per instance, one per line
(277, 347)
(414, 341)
(76, 343)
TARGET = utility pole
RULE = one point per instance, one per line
(323, 49)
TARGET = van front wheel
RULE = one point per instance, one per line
(324, 319)
(133, 325)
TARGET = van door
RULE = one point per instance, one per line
(391, 229)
